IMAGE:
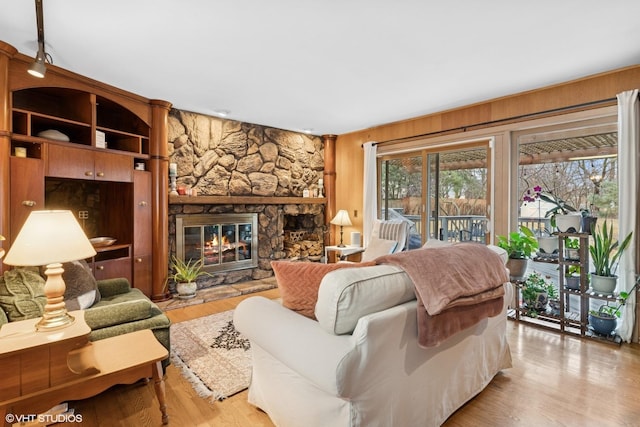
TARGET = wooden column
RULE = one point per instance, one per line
(329, 182)
(159, 167)
(6, 53)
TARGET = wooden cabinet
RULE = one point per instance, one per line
(142, 232)
(78, 163)
(117, 267)
(67, 168)
(27, 190)
(85, 137)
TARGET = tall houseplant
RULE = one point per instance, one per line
(185, 274)
(605, 254)
(520, 246)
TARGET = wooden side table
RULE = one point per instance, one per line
(42, 369)
(343, 252)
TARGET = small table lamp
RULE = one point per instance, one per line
(341, 219)
(51, 238)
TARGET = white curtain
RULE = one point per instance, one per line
(628, 140)
(370, 194)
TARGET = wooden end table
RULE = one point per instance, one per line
(42, 369)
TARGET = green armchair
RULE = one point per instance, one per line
(121, 309)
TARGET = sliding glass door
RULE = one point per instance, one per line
(443, 192)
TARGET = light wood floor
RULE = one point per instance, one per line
(556, 381)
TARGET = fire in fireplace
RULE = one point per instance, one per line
(224, 241)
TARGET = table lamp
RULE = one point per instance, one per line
(51, 238)
(341, 219)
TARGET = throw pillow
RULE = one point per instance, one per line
(347, 295)
(81, 287)
(378, 247)
(391, 230)
(298, 283)
(22, 294)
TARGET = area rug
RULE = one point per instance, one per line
(212, 355)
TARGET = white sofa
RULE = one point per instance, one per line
(360, 363)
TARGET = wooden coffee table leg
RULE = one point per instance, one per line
(158, 380)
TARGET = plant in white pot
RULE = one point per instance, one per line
(563, 216)
(185, 274)
(520, 245)
(605, 255)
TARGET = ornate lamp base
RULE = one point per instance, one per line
(55, 314)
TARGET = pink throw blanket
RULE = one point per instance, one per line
(456, 286)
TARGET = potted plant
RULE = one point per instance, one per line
(572, 277)
(185, 274)
(520, 245)
(554, 299)
(571, 248)
(604, 320)
(535, 293)
(547, 244)
(605, 255)
(563, 216)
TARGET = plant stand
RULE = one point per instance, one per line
(566, 320)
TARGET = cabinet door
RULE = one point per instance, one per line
(142, 238)
(68, 162)
(113, 268)
(113, 167)
(142, 213)
(142, 274)
(27, 190)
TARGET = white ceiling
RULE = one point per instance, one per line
(333, 66)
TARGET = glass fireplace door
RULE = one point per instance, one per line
(224, 242)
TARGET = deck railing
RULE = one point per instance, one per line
(460, 228)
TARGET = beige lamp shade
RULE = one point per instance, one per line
(49, 237)
(341, 218)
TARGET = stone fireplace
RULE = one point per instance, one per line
(239, 168)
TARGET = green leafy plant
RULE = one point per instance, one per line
(535, 284)
(536, 291)
(572, 270)
(606, 252)
(519, 244)
(606, 310)
(571, 243)
(186, 272)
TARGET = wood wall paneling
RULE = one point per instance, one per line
(512, 109)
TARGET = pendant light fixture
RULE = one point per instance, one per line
(38, 68)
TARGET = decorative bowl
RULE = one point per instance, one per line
(100, 242)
